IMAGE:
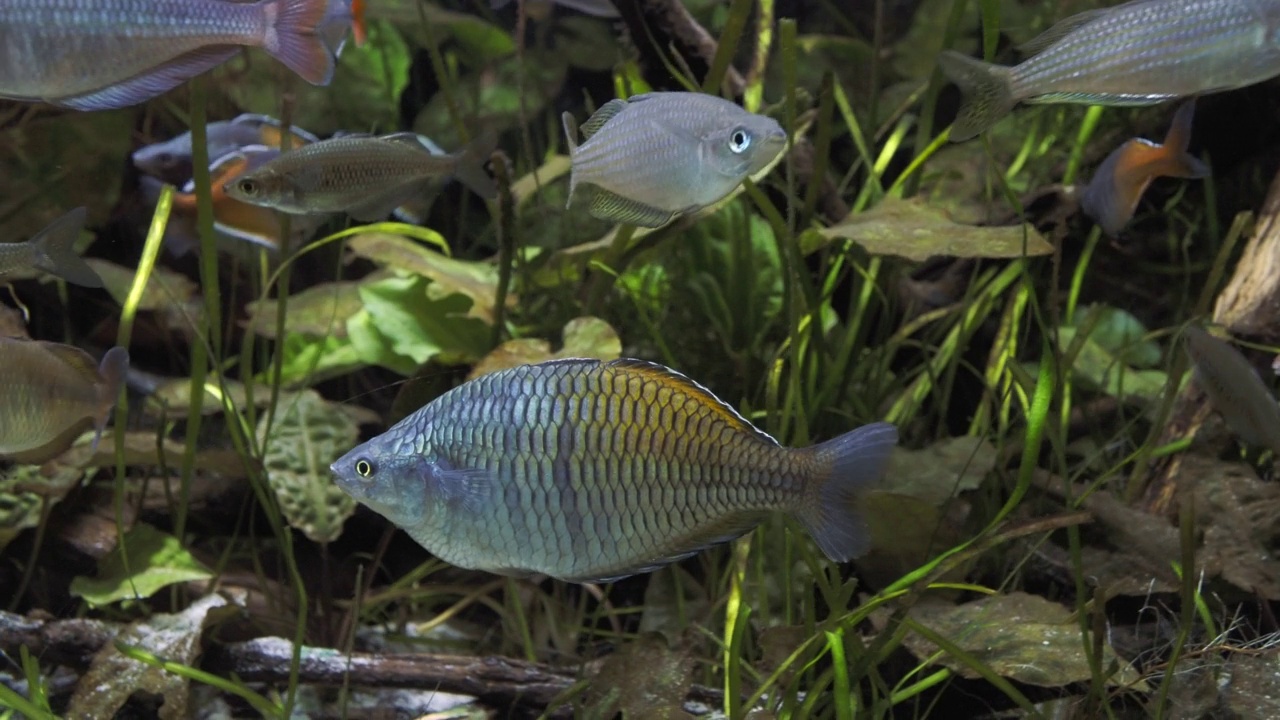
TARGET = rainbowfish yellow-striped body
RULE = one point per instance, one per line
(587, 471)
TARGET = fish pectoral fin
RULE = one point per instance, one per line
(383, 204)
(147, 85)
(597, 120)
(610, 206)
(466, 488)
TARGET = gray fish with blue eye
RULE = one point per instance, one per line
(1139, 53)
(650, 158)
(52, 250)
(589, 471)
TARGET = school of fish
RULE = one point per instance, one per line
(580, 470)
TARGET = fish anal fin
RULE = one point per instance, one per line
(383, 204)
(601, 116)
(728, 528)
(145, 86)
(607, 205)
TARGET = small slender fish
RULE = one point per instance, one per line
(52, 251)
(1112, 196)
(1235, 390)
(103, 54)
(171, 160)
(232, 219)
(366, 177)
(49, 392)
(651, 157)
(1139, 53)
(589, 471)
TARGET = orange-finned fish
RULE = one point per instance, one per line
(49, 392)
(359, 30)
(1112, 195)
(103, 54)
(1235, 390)
(232, 218)
(51, 250)
(1141, 52)
(590, 471)
(171, 160)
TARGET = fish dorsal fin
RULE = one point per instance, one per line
(1059, 30)
(407, 138)
(679, 382)
(597, 120)
(613, 207)
(75, 358)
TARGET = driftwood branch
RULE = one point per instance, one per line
(499, 681)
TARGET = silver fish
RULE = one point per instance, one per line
(1112, 196)
(367, 177)
(1139, 53)
(1235, 390)
(51, 250)
(171, 160)
(651, 157)
(102, 54)
(589, 471)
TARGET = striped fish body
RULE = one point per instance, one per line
(669, 153)
(588, 471)
(367, 177)
(98, 54)
(1151, 51)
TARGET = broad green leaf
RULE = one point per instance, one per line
(415, 326)
(1121, 334)
(495, 96)
(308, 360)
(165, 288)
(476, 280)
(320, 311)
(480, 41)
(1021, 637)
(910, 229)
(309, 433)
(113, 677)
(1099, 369)
(372, 347)
(940, 471)
(584, 337)
(156, 560)
(26, 489)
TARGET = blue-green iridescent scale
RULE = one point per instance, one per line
(607, 468)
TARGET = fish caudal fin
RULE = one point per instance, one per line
(986, 91)
(113, 369)
(1112, 196)
(847, 466)
(56, 254)
(471, 161)
(308, 35)
(571, 138)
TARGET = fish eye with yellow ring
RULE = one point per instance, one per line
(365, 468)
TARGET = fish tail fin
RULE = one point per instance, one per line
(307, 35)
(55, 252)
(571, 138)
(471, 161)
(113, 368)
(987, 95)
(1177, 162)
(846, 467)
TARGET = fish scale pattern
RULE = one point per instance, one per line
(604, 469)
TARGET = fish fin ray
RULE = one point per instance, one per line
(1059, 30)
(570, 126)
(144, 86)
(112, 371)
(607, 205)
(987, 96)
(604, 114)
(303, 41)
(1108, 99)
(468, 488)
(469, 169)
(847, 466)
(56, 254)
(381, 205)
